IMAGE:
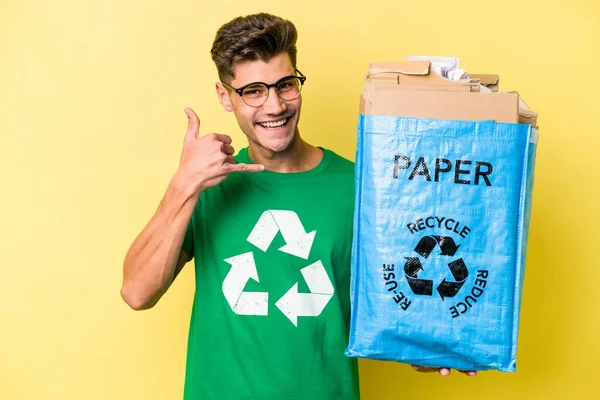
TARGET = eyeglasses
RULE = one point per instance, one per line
(256, 94)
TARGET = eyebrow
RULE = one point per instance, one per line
(264, 83)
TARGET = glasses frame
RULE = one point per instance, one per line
(240, 90)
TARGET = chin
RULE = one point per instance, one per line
(274, 141)
(276, 146)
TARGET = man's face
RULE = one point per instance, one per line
(271, 127)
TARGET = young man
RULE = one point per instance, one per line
(270, 230)
(271, 233)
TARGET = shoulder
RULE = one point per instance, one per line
(338, 162)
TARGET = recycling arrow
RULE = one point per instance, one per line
(298, 241)
(459, 272)
(447, 245)
(427, 244)
(412, 267)
(294, 304)
(243, 269)
(411, 271)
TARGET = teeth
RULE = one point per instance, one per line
(274, 124)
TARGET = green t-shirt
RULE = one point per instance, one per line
(271, 311)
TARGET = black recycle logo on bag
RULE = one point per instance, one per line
(437, 250)
(458, 268)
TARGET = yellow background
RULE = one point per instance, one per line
(91, 125)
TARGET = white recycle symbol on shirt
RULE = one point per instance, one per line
(297, 243)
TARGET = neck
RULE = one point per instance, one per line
(300, 156)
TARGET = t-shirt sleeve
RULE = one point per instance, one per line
(188, 240)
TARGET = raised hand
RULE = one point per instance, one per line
(207, 160)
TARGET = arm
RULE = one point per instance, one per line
(155, 257)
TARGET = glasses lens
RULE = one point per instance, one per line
(289, 88)
(255, 95)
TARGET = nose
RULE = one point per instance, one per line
(274, 104)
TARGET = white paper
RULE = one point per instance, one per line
(447, 67)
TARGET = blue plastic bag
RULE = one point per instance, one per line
(440, 233)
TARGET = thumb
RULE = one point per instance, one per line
(193, 124)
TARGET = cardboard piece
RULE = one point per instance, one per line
(416, 74)
(500, 107)
(526, 115)
(488, 80)
(413, 89)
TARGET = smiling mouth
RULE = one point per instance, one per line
(274, 124)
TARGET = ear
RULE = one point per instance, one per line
(223, 95)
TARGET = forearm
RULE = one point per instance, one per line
(150, 265)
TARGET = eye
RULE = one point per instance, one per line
(254, 91)
(286, 85)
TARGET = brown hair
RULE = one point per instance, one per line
(250, 38)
